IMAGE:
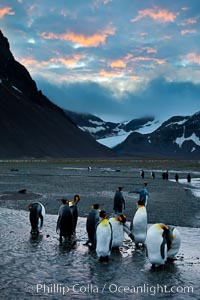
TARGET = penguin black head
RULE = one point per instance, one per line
(95, 206)
(102, 214)
(120, 188)
(122, 219)
(76, 198)
(165, 230)
(65, 201)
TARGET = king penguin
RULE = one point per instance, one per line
(156, 243)
(103, 237)
(139, 225)
(118, 230)
(173, 242)
(74, 209)
(92, 220)
(65, 224)
(37, 214)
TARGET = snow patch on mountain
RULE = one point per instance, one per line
(177, 123)
(121, 136)
(114, 140)
(92, 129)
(180, 140)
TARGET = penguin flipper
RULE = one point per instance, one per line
(41, 221)
(162, 248)
(58, 224)
(131, 226)
(110, 246)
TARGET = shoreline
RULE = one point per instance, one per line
(170, 202)
(181, 210)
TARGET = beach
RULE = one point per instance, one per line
(41, 268)
(169, 202)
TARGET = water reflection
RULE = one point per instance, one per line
(27, 261)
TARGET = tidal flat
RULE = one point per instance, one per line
(41, 268)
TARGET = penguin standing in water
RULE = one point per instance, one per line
(74, 209)
(118, 228)
(37, 214)
(173, 242)
(139, 225)
(92, 220)
(65, 224)
(103, 237)
(156, 243)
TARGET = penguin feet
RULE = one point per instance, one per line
(34, 232)
(104, 258)
(157, 267)
(171, 259)
(140, 245)
(115, 249)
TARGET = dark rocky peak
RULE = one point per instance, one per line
(12, 72)
(175, 121)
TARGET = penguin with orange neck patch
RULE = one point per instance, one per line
(156, 243)
(139, 225)
(119, 227)
(37, 213)
(103, 237)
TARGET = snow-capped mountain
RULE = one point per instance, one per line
(177, 137)
(111, 134)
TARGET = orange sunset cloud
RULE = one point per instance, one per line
(93, 40)
(193, 57)
(6, 11)
(117, 64)
(161, 15)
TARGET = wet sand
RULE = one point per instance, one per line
(169, 202)
(27, 262)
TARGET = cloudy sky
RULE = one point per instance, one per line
(118, 59)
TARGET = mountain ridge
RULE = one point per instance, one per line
(177, 137)
(31, 126)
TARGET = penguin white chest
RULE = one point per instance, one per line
(139, 228)
(118, 233)
(156, 245)
(103, 239)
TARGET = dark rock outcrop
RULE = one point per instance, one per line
(31, 126)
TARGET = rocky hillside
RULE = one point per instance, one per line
(30, 124)
(177, 137)
(100, 129)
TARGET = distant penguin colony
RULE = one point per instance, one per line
(105, 234)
